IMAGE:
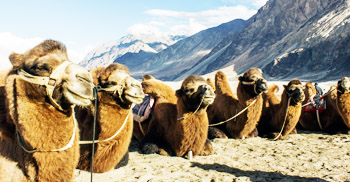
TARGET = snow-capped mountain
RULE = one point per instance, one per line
(139, 44)
(305, 39)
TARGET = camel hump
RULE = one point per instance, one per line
(147, 77)
(273, 89)
(220, 75)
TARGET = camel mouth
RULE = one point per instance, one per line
(134, 95)
(137, 99)
(78, 98)
(208, 99)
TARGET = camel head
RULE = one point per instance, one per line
(309, 90)
(294, 90)
(195, 92)
(253, 81)
(123, 88)
(343, 85)
(47, 68)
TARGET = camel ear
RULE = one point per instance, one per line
(179, 93)
(16, 59)
(240, 78)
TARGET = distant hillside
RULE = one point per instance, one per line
(306, 39)
(174, 61)
(137, 47)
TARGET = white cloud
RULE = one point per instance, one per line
(255, 3)
(143, 28)
(11, 43)
(189, 23)
(258, 3)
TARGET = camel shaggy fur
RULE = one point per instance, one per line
(226, 105)
(113, 113)
(282, 115)
(343, 100)
(40, 118)
(180, 124)
(332, 119)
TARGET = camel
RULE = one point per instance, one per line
(280, 117)
(343, 100)
(226, 105)
(179, 121)
(331, 120)
(40, 93)
(119, 92)
(141, 128)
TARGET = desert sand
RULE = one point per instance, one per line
(300, 157)
(306, 156)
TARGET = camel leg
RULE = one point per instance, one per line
(294, 131)
(216, 133)
(207, 149)
(124, 161)
(152, 144)
(254, 133)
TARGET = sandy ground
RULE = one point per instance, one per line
(301, 157)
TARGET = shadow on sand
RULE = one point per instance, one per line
(254, 175)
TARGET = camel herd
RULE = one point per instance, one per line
(55, 116)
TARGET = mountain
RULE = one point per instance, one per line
(135, 46)
(177, 59)
(305, 39)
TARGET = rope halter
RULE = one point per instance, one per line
(50, 82)
(253, 83)
(116, 89)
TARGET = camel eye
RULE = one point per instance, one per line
(41, 69)
(189, 90)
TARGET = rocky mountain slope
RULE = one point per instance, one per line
(172, 62)
(306, 39)
(138, 47)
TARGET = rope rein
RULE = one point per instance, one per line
(95, 119)
(96, 90)
(284, 122)
(107, 139)
(233, 117)
(193, 112)
(67, 146)
(318, 119)
(308, 103)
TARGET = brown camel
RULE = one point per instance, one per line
(141, 128)
(40, 93)
(119, 91)
(330, 120)
(179, 126)
(226, 105)
(343, 100)
(280, 117)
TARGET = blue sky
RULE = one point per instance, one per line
(85, 24)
